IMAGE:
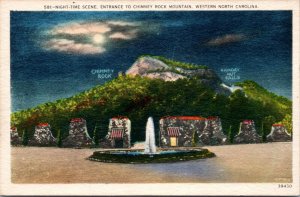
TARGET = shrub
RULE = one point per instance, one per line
(25, 138)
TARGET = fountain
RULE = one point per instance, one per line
(150, 147)
(149, 154)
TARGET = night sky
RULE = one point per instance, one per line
(55, 54)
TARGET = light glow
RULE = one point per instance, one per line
(98, 39)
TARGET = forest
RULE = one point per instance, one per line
(140, 97)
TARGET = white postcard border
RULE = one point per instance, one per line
(8, 188)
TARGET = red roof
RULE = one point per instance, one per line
(43, 124)
(248, 122)
(13, 128)
(277, 125)
(77, 120)
(184, 117)
(212, 118)
(119, 117)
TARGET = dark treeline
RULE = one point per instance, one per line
(138, 98)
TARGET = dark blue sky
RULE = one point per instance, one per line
(53, 54)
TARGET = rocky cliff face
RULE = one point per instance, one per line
(154, 68)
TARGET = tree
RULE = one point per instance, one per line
(266, 126)
(262, 132)
(238, 110)
(195, 138)
(229, 135)
(287, 122)
(59, 138)
(25, 138)
(96, 136)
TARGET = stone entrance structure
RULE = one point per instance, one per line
(119, 132)
(191, 131)
(247, 133)
(278, 134)
(78, 135)
(213, 132)
(42, 136)
(180, 130)
(14, 137)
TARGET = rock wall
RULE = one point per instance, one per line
(78, 135)
(14, 137)
(213, 132)
(123, 124)
(247, 133)
(152, 67)
(188, 127)
(42, 136)
(278, 134)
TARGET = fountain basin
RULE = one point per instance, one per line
(136, 156)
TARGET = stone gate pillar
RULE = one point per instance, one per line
(42, 136)
(119, 130)
(213, 132)
(14, 137)
(78, 134)
(247, 133)
(279, 134)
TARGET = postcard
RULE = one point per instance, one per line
(149, 97)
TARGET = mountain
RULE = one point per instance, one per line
(139, 94)
(256, 92)
(158, 67)
(168, 70)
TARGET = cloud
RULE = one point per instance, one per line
(123, 23)
(123, 36)
(81, 28)
(70, 46)
(89, 37)
(226, 39)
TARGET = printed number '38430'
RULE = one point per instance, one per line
(285, 185)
